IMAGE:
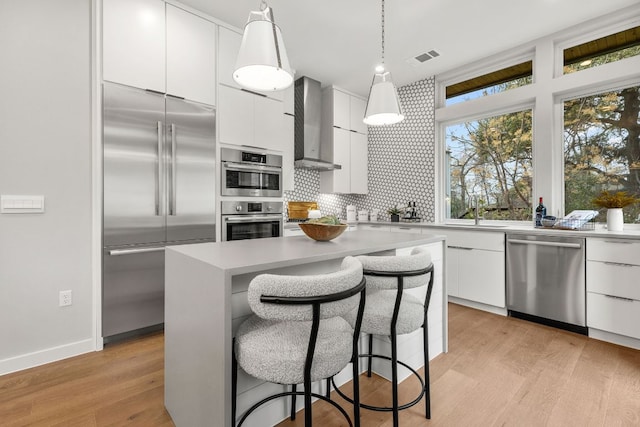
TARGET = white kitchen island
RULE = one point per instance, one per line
(205, 301)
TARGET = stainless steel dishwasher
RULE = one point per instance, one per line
(546, 280)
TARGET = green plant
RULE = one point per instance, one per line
(610, 200)
(394, 210)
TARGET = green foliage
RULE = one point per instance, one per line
(618, 199)
(602, 148)
(395, 210)
(491, 158)
(325, 220)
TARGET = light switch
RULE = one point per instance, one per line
(10, 204)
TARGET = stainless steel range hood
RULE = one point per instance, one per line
(308, 108)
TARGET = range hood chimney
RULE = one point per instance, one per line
(308, 108)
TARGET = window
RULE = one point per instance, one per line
(490, 159)
(614, 47)
(602, 148)
(488, 84)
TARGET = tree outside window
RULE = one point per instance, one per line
(490, 159)
(602, 148)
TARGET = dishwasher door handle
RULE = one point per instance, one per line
(544, 243)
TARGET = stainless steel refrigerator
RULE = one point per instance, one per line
(159, 172)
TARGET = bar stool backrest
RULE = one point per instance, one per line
(419, 259)
(275, 285)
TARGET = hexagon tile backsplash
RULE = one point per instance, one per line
(401, 162)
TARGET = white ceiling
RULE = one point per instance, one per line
(338, 41)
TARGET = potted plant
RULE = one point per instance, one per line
(614, 202)
(394, 212)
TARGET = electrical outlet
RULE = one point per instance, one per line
(65, 298)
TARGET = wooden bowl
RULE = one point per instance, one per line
(322, 232)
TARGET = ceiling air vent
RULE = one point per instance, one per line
(422, 58)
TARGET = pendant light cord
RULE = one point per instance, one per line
(383, 33)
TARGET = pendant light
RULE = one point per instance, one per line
(383, 105)
(262, 62)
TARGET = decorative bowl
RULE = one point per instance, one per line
(548, 222)
(322, 232)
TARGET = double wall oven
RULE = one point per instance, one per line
(248, 176)
(250, 173)
(251, 220)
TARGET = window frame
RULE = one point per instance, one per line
(545, 96)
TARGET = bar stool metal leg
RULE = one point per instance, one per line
(370, 353)
(427, 387)
(294, 389)
(328, 389)
(234, 382)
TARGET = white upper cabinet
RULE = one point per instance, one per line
(235, 116)
(357, 106)
(163, 48)
(250, 120)
(228, 46)
(341, 114)
(134, 43)
(268, 123)
(358, 163)
(342, 137)
(338, 180)
(289, 100)
(288, 182)
(191, 56)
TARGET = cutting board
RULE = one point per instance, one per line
(298, 210)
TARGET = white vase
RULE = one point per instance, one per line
(615, 221)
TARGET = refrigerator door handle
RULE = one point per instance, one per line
(117, 252)
(172, 199)
(159, 172)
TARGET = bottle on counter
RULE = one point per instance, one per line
(541, 212)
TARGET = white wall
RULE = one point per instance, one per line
(45, 148)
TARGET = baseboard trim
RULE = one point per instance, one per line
(42, 357)
(502, 311)
(614, 338)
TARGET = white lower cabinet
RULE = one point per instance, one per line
(613, 288)
(475, 266)
(373, 227)
(293, 232)
(405, 229)
(614, 314)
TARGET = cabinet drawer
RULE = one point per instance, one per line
(475, 239)
(621, 251)
(615, 315)
(405, 229)
(613, 279)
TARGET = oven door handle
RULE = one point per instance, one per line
(254, 218)
(255, 168)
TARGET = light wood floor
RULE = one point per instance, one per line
(499, 371)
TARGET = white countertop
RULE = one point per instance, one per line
(245, 256)
(514, 227)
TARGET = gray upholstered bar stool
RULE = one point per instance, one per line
(390, 311)
(298, 334)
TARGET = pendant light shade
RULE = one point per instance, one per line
(262, 62)
(383, 105)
